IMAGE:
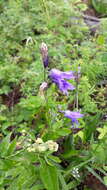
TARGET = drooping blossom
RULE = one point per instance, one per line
(55, 73)
(74, 116)
(44, 52)
(58, 77)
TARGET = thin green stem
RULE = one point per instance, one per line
(77, 94)
(46, 9)
(44, 74)
(76, 104)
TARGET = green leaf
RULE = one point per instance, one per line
(102, 131)
(62, 181)
(63, 131)
(70, 153)
(49, 176)
(100, 6)
(6, 164)
(73, 184)
(100, 40)
(105, 168)
(94, 173)
(5, 145)
(100, 152)
(12, 147)
(37, 187)
(105, 180)
(54, 158)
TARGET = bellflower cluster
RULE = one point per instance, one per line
(58, 77)
(74, 116)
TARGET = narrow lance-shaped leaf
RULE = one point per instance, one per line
(49, 176)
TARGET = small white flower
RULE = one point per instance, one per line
(41, 148)
(75, 172)
(52, 146)
(39, 141)
(18, 143)
(31, 149)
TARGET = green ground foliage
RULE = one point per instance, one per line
(29, 115)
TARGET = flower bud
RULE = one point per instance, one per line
(44, 53)
(43, 86)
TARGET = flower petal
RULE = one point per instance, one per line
(58, 77)
(71, 115)
(64, 86)
(55, 73)
(68, 75)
